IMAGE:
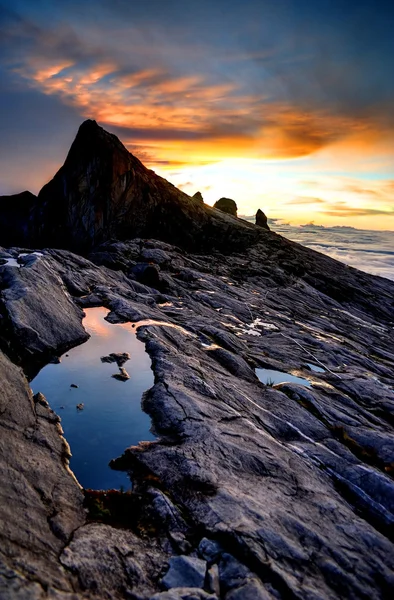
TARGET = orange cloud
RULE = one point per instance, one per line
(187, 119)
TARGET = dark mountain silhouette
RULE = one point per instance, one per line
(103, 192)
(15, 216)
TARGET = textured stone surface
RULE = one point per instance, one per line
(39, 315)
(290, 486)
(40, 503)
(113, 563)
(185, 571)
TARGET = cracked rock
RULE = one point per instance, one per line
(185, 571)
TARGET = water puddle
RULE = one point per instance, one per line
(270, 377)
(21, 260)
(315, 368)
(153, 323)
(102, 416)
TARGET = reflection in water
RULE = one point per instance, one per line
(111, 419)
(315, 368)
(270, 377)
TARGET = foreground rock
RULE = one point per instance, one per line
(41, 503)
(277, 491)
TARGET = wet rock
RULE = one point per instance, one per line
(233, 363)
(120, 358)
(295, 482)
(41, 317)
(122, 375)
(35, 486)
(226, 205)
(261, 220)
(185, 571)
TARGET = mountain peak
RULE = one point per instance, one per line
(102, 191)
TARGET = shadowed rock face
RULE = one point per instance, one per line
(15, 214)
(261, 220)
(198, 196)
(104, 192)
(227, 206)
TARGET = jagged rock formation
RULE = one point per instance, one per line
(227, 206)
(251, 490)
(15, 215)
(198, 196)
(104, 192)
(261, 219)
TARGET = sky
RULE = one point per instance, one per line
(283, 105)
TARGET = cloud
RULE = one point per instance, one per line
(341, 210)
(140, 84)
(305, 200)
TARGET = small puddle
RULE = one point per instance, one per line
(315, 368)
(111, 418)
(18, 262)
(270, 377)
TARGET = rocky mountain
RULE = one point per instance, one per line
(103, 192)
(252, 489)
(15, 216)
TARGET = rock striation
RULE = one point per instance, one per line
(277, 491)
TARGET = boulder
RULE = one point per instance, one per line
(261, 220)
(198, 196)
(227, 205)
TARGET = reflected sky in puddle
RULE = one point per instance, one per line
(270, 377)
(112, 418)
(315, 368)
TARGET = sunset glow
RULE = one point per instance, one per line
(275, 117)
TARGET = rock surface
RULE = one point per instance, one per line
(185, 571)
(290, 487)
